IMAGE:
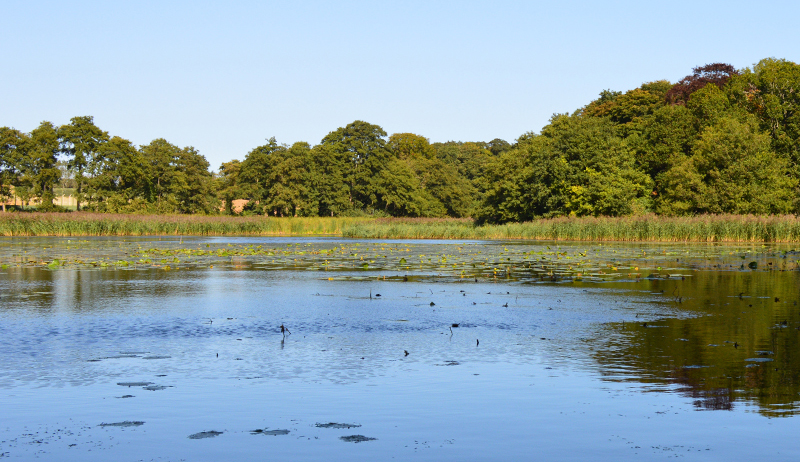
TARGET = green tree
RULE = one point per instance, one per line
(359, 141)
(628, 110)
(180, 180)
(12, 148)
(228, 184)
(471, 160)
(80, 141)
(290, 188)
(192, 189)
(407, 146)
(160, 159)
(37, 158)
(442, 191)
(256, 172)
(602, 177)
(732, 170)
(328, 177)
(771, 91)
(498, 146)
(525, 183)
(118, 179)
(708, 104)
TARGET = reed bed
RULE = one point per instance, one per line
(652, 228)
(646, 228)
(102, 224)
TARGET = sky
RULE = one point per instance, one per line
(226, 76)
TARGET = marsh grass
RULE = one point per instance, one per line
(704, 228)
(652, 228)
(104, 224)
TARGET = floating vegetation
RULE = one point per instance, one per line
(155, 387)
(549, 262)
(127, 423)
(336, 425)
(356, 438)
(202, 435)
(270, 432)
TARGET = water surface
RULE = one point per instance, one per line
(170, 349)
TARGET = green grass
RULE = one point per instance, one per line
(704, 228)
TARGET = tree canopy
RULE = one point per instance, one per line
(720, 140)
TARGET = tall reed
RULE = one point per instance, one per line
(703, 228)
(99, 224)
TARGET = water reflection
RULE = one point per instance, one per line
(740, 344)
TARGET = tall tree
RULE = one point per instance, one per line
(118, 179)
(256, 172)
(525, 183)
(291, 190)
(38, 165)
(328, 176)
(12, 147)
(732, 170)
(228, 185)
(771, 91)
(192, 188)
(359, 141)
(80, 141)
(602, 178)
(181, 181)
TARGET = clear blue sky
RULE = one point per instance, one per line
(224, 77)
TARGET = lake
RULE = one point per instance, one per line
(171, 349)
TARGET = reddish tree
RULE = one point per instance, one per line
(717, 73)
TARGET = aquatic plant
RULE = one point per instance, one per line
(104, 224)
(701, 228)
(652, 228)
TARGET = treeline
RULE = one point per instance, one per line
(720, 140)
(108, 174)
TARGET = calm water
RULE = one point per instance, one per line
(123, 349)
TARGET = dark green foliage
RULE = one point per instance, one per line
(732, 170)
(80, 142)
(227, 183)
(119, 180)
(525, 183)
(37, 163)
(180, 180)
(771, 91)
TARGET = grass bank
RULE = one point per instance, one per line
(705, 228)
